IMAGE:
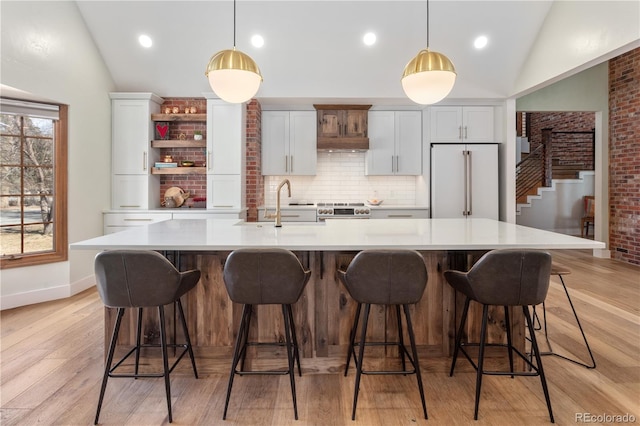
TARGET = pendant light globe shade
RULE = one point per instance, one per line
(233, 76)
(428, 77)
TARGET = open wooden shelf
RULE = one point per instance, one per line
(179, 143)
(178, 170)
(178, 117)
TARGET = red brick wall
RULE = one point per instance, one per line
(624, 157)
(565, 148)
(255, 181)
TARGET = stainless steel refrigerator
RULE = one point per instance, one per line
(464, 180)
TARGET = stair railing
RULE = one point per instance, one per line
(530, 172)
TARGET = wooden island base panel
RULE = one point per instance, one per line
(323, 316)
(324, 312)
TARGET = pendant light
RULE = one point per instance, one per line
(429, 76)
(232, 74)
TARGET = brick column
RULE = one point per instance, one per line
(255, 180)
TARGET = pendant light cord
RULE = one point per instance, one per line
(234, 24)
(427, 24)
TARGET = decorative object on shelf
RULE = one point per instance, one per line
(429, 76)
(187, 110)
(374, 201)
(232, 74)
(187, 163)
(162, 130)
(167, 110)
(168, 159)
(176, 195)
(176, 110)
(197, 135)
(193, 110)
(182, 137)
(165, 164)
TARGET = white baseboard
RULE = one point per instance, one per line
(46, 294)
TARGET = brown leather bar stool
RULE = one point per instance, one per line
(560, 270)
(503, 278)
(264, 277)
(142, 279)
(391, 278)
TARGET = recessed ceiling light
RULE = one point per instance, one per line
(257, 41)
(369, 39)
(480, 42)
(145, 41)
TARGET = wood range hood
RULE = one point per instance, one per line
(342, 127)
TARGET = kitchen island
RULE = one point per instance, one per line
(324, 312)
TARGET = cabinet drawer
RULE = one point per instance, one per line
(132, 219)
(400, 214)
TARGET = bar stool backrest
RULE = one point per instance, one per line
(263, 276)
(386, 277)
(139, 278)
(508, 277)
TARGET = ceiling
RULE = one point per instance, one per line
(313, 50)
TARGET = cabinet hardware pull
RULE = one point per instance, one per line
(144, 160)
(399, 215)
(129, 206)
(286, 163)
(291, 164)
(289, 215)
(138, 220)
(209, 164)
(460, 132)
(465, 133)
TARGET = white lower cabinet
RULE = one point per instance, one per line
(224, 191)
(136, 192)
(391, 213)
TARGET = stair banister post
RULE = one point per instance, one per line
(546, 153)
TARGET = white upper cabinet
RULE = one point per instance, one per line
(395, 143)
(289, 143)
(462, 124)
(132, 131)
(226, 125)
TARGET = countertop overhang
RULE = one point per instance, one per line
(336, 235)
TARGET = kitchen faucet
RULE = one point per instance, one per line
(278, 216)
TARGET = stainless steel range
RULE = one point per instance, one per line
(342, 211)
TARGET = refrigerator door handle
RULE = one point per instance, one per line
(470, 189)
(466, 181)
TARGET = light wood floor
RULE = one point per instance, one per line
(51, 367)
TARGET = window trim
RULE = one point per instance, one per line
(60, 252)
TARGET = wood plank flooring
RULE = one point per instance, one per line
(51, 367)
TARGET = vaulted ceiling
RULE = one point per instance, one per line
(313, 49)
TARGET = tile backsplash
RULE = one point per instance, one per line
(340, 178)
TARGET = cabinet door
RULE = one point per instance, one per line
(275, 142)
(478, 124)
(408, 136)
(446, 124)
(302, 143)
(131, 136)
(354, 123)
(330, 123)
(225, 137)
(134, 192)
(381, 154)
(224, 191)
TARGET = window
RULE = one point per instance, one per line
(33, 183)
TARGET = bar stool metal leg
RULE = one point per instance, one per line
(400, 336)
(507, 324)
(416, 363)
(165, 360)
(359, 361)
(352, 338)
(138, 339)
(463, 321)
(483, 336)
(239, 346)
(109, 361)
(290, 350)
(296, 350)
(187, 338)
(536, 351)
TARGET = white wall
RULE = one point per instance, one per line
(585, 91)
(558, 208)
(48, 52)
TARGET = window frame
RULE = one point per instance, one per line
(60, 250)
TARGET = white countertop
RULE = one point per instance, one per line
(338, 234)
